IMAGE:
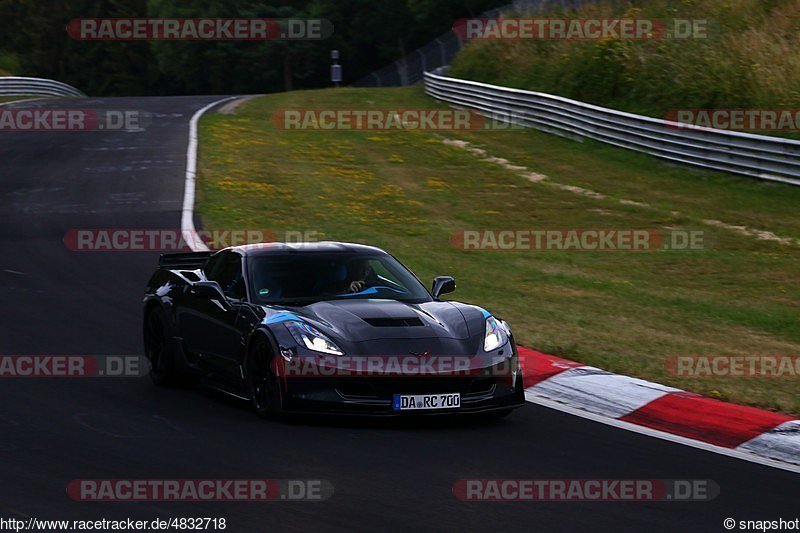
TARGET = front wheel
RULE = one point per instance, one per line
(263, 386)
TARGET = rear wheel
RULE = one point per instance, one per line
(159, 348)
(263, 386)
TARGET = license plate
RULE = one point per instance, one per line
(411, 402)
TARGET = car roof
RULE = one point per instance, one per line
(267, 248)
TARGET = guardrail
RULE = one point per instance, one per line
(19, 86)
(757, 156)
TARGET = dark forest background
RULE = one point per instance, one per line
(368, 33)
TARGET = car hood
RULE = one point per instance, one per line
(372, 319)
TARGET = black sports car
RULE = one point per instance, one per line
(326, 328)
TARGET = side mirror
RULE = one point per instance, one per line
(443, 285)
(210, 290)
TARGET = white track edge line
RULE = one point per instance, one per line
(643, 430)
(188, 230)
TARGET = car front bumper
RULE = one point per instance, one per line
(496, 386)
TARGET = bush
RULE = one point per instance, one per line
(750, 59)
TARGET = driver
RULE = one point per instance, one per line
(359, 275)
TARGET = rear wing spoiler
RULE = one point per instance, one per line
(188, 260)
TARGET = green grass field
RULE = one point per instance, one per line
(408, 191)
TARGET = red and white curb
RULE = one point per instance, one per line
(660, 411)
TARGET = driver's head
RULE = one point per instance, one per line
(358, 269)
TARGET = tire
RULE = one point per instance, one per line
(159, 348)
(262, 385)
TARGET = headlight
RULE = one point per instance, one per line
(313, 339)
(496, 334)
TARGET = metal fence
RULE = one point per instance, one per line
(758, 156)
(409, 70)
(19, 86)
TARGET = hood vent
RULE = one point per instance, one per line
(394, 322)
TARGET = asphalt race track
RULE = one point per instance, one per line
(389, 475)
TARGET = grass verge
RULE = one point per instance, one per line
(408, 191)
(4, 99)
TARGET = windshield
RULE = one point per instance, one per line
(304, 278)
